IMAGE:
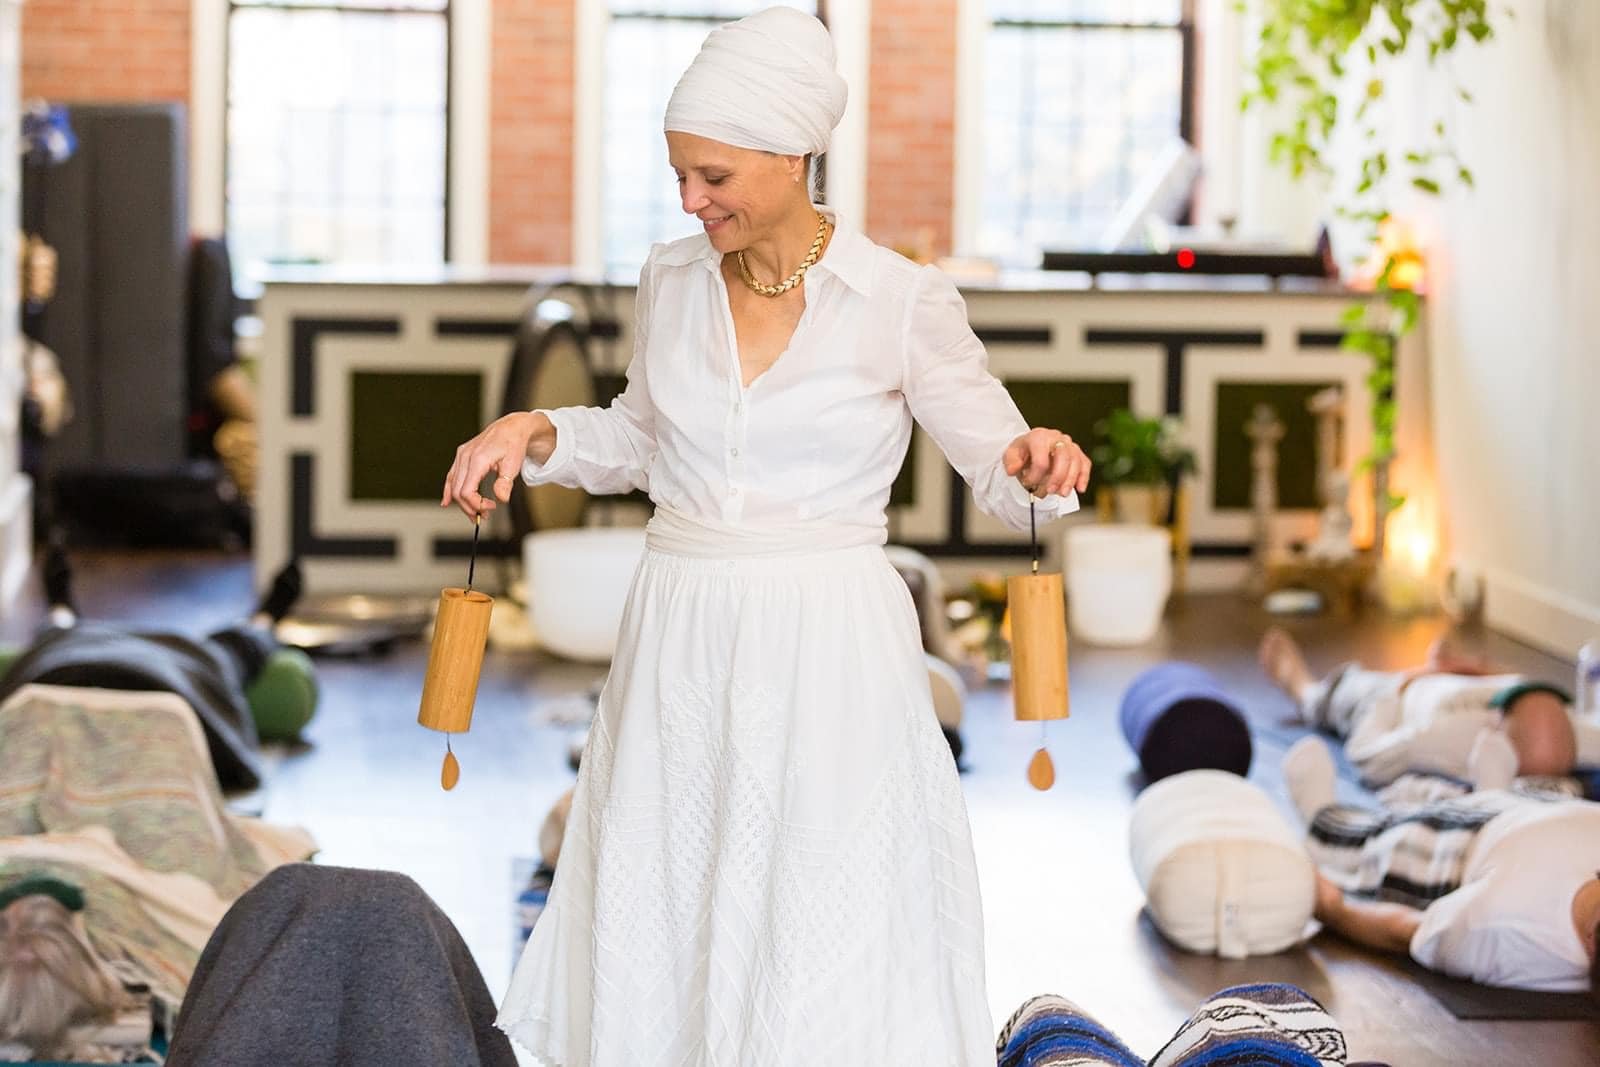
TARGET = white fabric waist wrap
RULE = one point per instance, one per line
(676, 534)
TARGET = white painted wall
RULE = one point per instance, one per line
(1514, 318)
(1510, 369)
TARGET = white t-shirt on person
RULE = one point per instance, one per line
(1432, 723)
(1510, 923)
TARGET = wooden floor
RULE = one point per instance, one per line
(1062, 908)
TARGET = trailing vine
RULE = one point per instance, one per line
(1310, 53)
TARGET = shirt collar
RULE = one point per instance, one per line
(848, 256)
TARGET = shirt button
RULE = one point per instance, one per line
(734, 491)
(734, 452)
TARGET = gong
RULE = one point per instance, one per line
(549, 369)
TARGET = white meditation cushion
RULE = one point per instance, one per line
(578, 582)
(1222, 870)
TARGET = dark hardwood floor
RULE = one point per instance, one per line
(1063, 911)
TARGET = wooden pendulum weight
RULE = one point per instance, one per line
(460, 635)
(1038, 654)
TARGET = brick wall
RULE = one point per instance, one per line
(530, 140)
(139, 50)
(911, 124)
(105, 49)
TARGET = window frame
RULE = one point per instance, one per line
(848, 23)
(972, 36)
(217, 220)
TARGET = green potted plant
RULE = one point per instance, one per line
(1137, 462)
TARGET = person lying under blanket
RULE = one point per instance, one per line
(240, 681)
(58, 995)
(109, 806)
(1450, 716)
(336, 967)
(1498, 886)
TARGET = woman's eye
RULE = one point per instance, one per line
(718, 180)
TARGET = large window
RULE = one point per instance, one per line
(648, 44)
(336, 120)
(1081, 96)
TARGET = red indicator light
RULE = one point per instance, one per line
(1185, 258)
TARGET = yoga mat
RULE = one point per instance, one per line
(1469, 1000)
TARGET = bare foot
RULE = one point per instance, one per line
(1280, 657)
(1444, 658)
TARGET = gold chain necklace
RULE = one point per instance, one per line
(800, 272)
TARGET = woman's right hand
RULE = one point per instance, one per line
(501, 447)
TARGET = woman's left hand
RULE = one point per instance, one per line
(1047, 462)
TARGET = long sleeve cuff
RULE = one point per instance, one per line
(1048, 508)
(1006, 499)
(560, 461)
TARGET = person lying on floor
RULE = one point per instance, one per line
(338, 967)
(1268, 1025)
(234, 679)
(109, 806)
(1498, 886)
(54, 987)
(1450, 716)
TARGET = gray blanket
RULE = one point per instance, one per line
(338, 967)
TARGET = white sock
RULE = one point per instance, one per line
(1310, 774)
(1493, 762)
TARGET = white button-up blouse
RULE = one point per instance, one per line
(820, 436)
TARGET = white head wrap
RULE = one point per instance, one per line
(765, 82)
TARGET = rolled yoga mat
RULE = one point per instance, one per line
(1177, 717)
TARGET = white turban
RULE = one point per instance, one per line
(765, 82)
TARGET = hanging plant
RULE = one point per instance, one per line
(1308, 51)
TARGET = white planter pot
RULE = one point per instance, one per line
(1118, 580)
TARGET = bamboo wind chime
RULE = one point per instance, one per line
(460, 635)
(1038, 654)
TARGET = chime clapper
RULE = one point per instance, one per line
(460, 635)
(1038, 653)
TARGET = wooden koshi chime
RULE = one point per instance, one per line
(1038, 620)
(460, 635)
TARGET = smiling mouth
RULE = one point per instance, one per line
(716, 222)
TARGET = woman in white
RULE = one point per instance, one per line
(768, 860)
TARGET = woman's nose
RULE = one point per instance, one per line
(694, 196)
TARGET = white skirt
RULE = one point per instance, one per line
(768, 860)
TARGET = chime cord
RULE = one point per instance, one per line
(1033, 534)
(472, 566)
(1033, 537)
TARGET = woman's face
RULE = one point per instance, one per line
(738, 194)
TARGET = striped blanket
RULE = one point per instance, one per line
(1413, 850)
(1265, 1025)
